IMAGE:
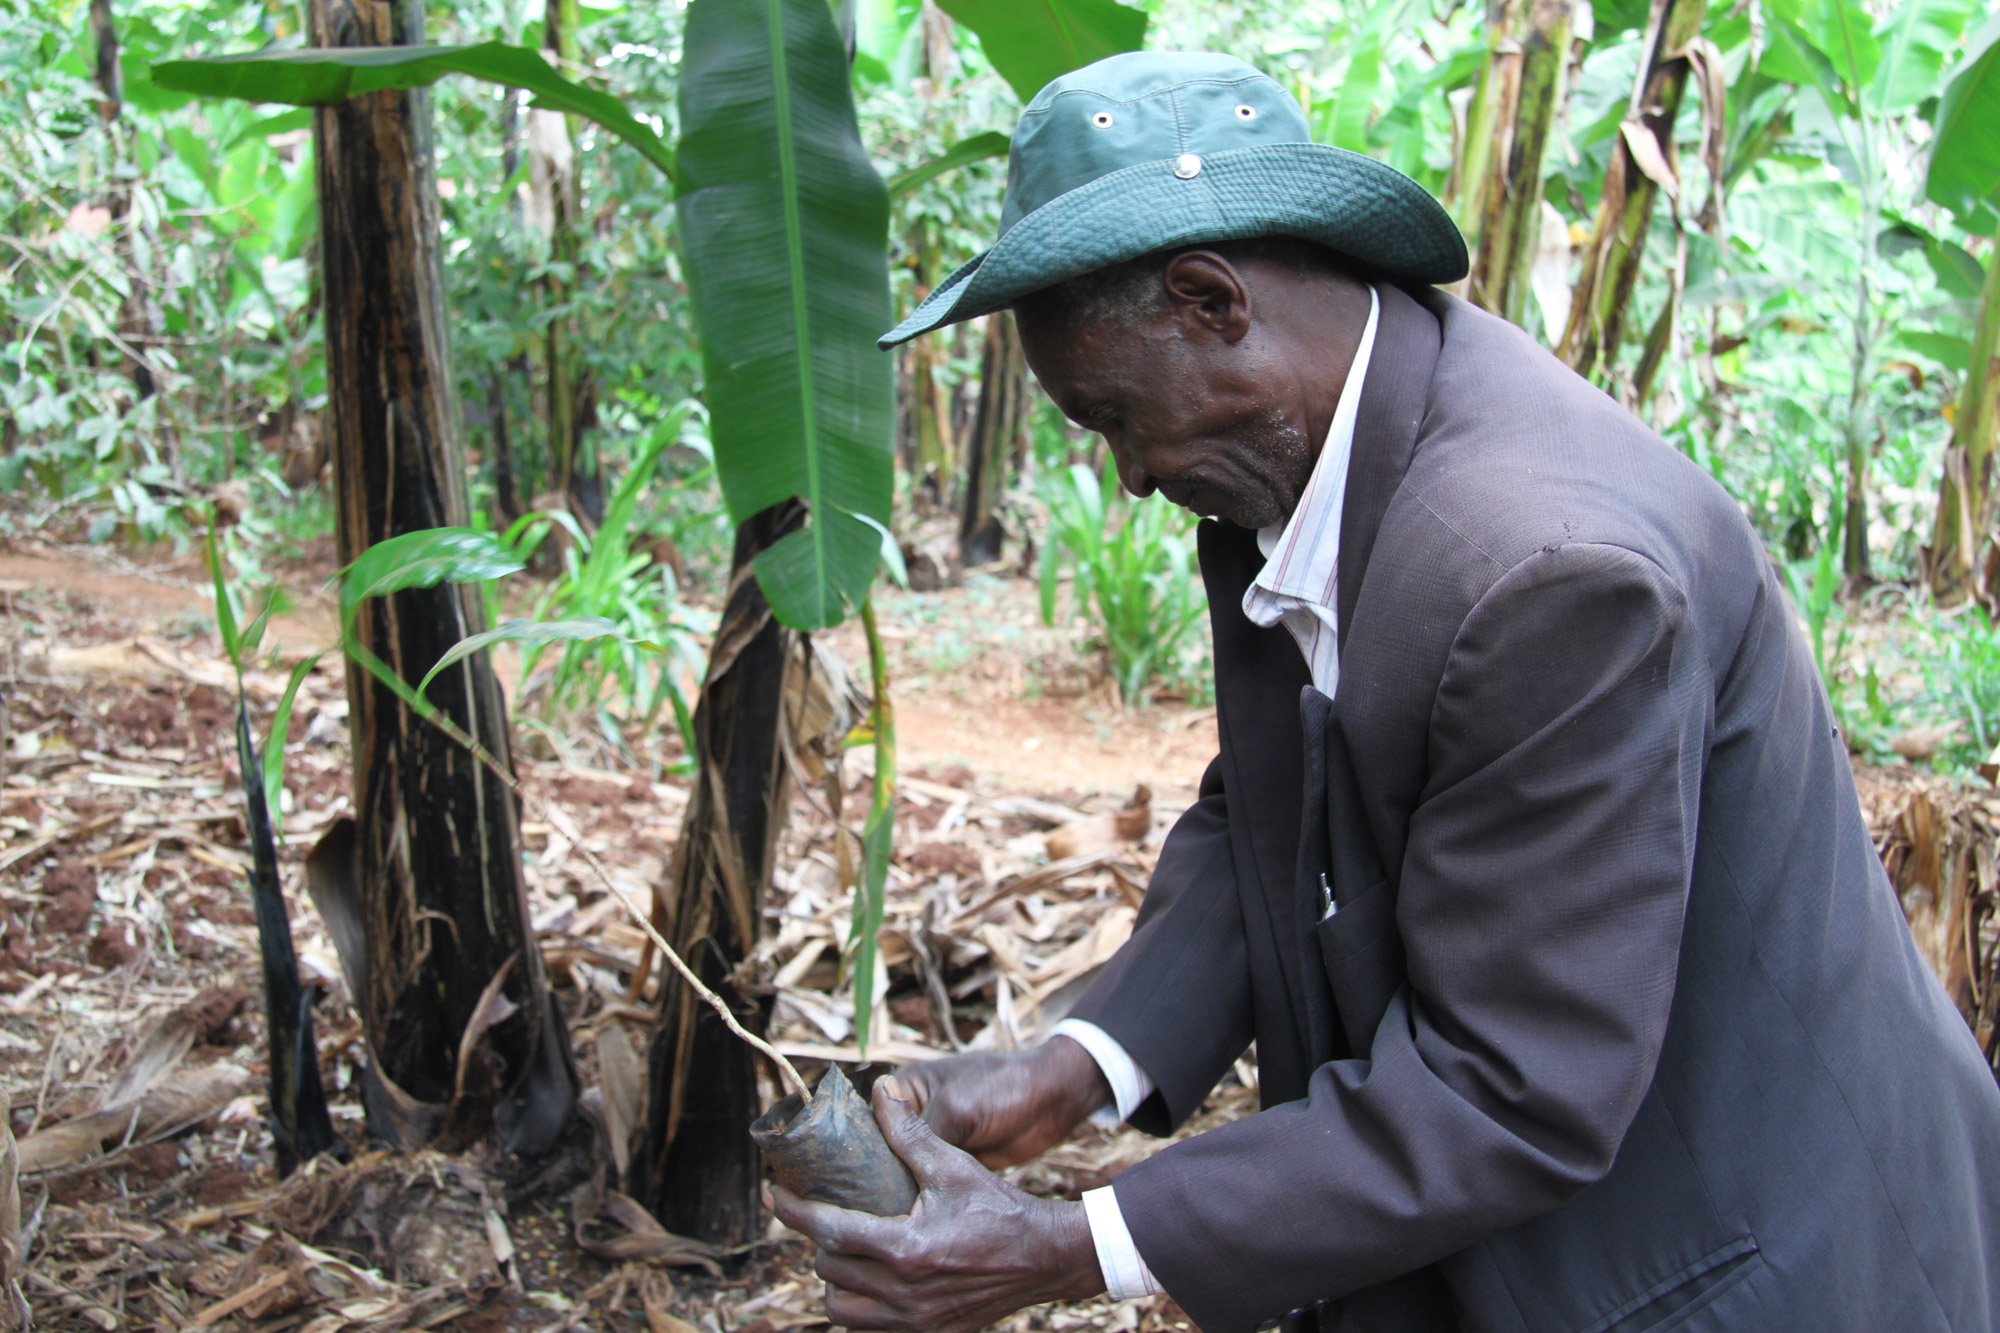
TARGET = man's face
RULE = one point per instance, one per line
(1202, 418)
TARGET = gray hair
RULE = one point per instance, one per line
(1135, 290)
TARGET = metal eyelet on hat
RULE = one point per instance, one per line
(1187, 166)
(1246, 111)
(1102, 120)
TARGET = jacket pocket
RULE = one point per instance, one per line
(1676, 1298)
(1363, 953)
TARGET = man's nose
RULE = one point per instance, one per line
(1134, 478)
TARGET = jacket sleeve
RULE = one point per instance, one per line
(1177, 995)
(1540, 901)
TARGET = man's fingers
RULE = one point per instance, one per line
(916, 1085)
(848, 1309)
(863, 1277)
(910, 1135)
(831, 1228)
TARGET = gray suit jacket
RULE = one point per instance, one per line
(1617, 1025)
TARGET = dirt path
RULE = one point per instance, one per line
(979, 682)
(125, 597)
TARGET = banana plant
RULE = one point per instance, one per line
(1865, 72)
(301, 1127)
(1964, 176)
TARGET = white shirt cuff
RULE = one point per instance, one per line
(1129, 1083)
(1125, 1273)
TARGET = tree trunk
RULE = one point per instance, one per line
(993, 440)
(1611, 261)
(434, 875)
(1965, 495)
(506, 499)
(139, 319)
(1859, 438)
(552, 157)
(697, 1170)
(1513, 113)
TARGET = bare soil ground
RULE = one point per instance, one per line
(131, 1025)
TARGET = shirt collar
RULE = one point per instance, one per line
(1301, 554)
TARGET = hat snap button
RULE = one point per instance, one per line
(1187, 166)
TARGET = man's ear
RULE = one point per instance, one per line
(1205, 288)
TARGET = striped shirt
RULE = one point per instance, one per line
(1299, 586)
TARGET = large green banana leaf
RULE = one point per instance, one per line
(314, 76)
(1917, 37)
(785, 225)
(1033, 41)
(1965, 154)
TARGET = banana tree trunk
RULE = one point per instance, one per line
(552, 140)
(1611, 261)
(696, 1169)
(1515, 107)
(1003, 398)
(430, 877)
(139, 320)
(1966, 495)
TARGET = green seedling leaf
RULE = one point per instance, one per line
(978, 148)
(276, 602)
(274, 746)
(225, 606)
(322, 77)
(422, 559)
(589, 629)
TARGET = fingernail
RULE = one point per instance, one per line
(893, 1089)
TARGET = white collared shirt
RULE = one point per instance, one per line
(1299, 587)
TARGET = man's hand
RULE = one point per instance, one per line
(973, 1251)
(1009, 1108)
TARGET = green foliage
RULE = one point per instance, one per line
(625, 635)
(784, 226)
(1132, 578)
(1964, 171)
(156, 285)
(315, 77)
(871, 886)
(424, 559)
(1962, 679)
(978, 148)
(239, 644)
(1030, 44)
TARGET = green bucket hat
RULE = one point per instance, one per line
(1153, 149)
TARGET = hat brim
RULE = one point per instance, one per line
(1343, 200)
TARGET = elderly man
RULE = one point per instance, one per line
(1531, 861)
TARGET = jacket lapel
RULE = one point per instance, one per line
(1267, 708)
(1393, 397)
(1259, 674)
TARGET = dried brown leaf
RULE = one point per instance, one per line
(181, 1102)
(622, 1077)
